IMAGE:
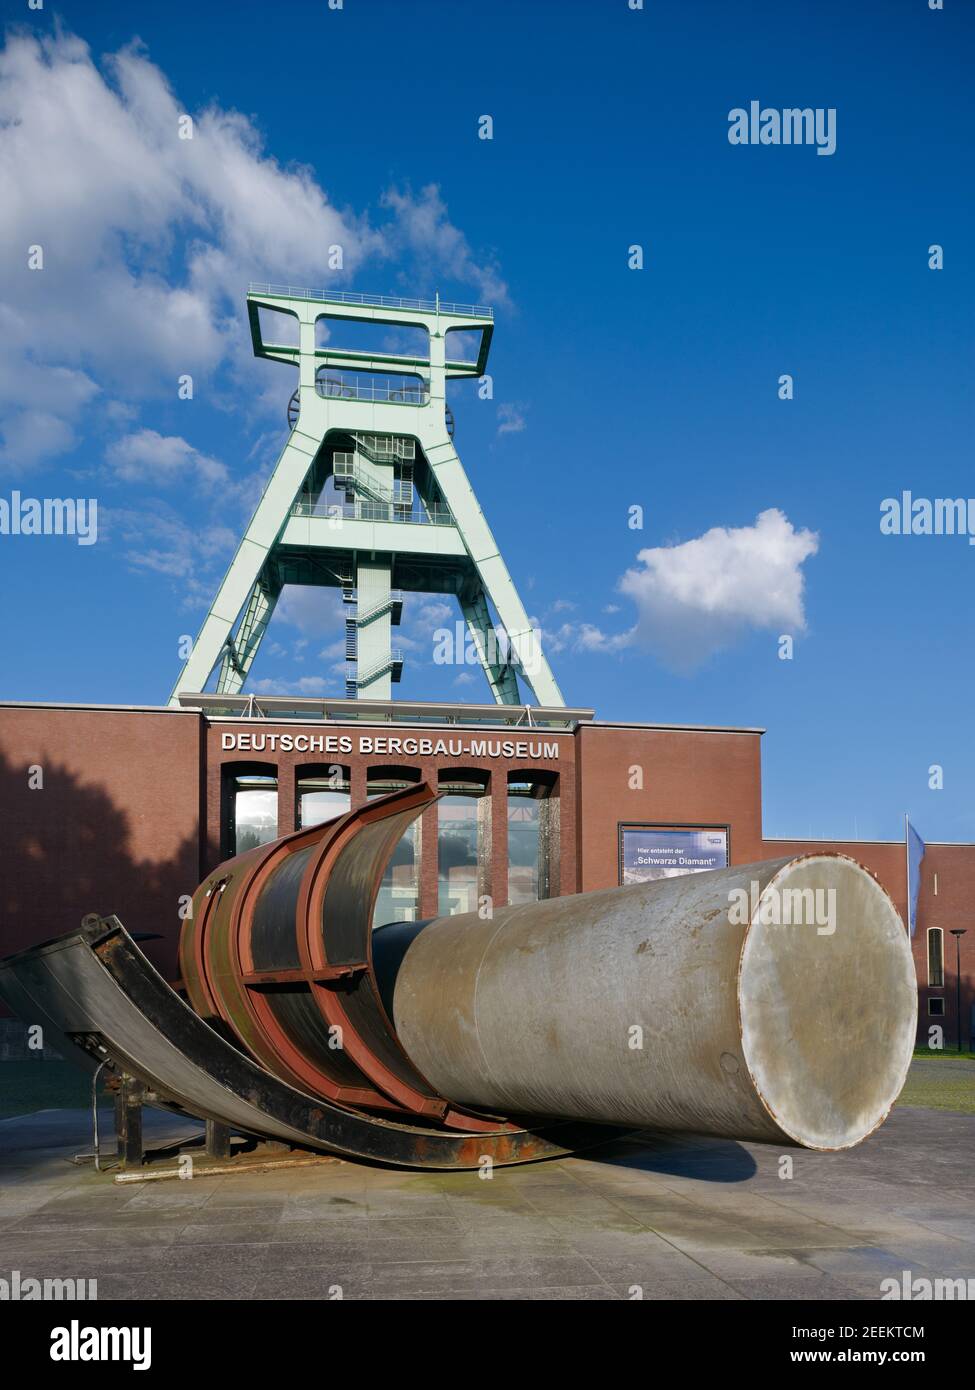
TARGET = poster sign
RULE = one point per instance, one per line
(660, 851)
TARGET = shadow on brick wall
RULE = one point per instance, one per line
(65, 851)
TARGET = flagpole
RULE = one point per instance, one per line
(907, 871)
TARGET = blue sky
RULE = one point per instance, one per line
(613, 387)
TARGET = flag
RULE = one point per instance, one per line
(915, 853)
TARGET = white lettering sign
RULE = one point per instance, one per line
(382, 745)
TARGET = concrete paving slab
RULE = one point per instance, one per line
(660, 1217)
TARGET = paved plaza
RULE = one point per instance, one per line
(675, 1218)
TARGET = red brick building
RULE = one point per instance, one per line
(124, 810)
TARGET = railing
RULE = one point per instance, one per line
(382, 448)
(372, 511)
(345, 470)
(395, 658)
(363, 389)
(394, 597)
(375, 301)
(320, 707)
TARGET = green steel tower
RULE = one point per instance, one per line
(369, 496)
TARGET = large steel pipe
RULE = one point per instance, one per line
(775, 1001)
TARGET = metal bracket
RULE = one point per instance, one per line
(128, 1121)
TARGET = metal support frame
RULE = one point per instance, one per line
(500, 673)
(217, 1139)
(301, 536)
(128, 1121)
(239, 653)
(98, 996)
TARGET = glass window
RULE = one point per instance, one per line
(255, 811)
(530, 831)
(936, 958)
(936, 1007)
(524, 844)
(458, 843)
(323, 798)
(398, 899)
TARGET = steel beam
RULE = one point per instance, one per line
(96, 993)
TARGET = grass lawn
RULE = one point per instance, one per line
(941, 1081)
(966, 1052)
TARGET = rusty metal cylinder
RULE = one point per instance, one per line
(774, 1001)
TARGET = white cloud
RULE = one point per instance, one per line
(699, 597)
(511, 418)
(119, 412)
(149, 240)
(590, 638)
(153, 459)
(335, 651)
(423, 231)
(158, 540)
(433, 613)
(580, 637)
(307, 685)
(30, 435)
(318, 611)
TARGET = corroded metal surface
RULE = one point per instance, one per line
(774, 1001)
(681, 1004)
(278, 954)
(96, 992)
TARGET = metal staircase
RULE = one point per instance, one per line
(355, 621)
(352, 478)
(391, 662)
(392, 604)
